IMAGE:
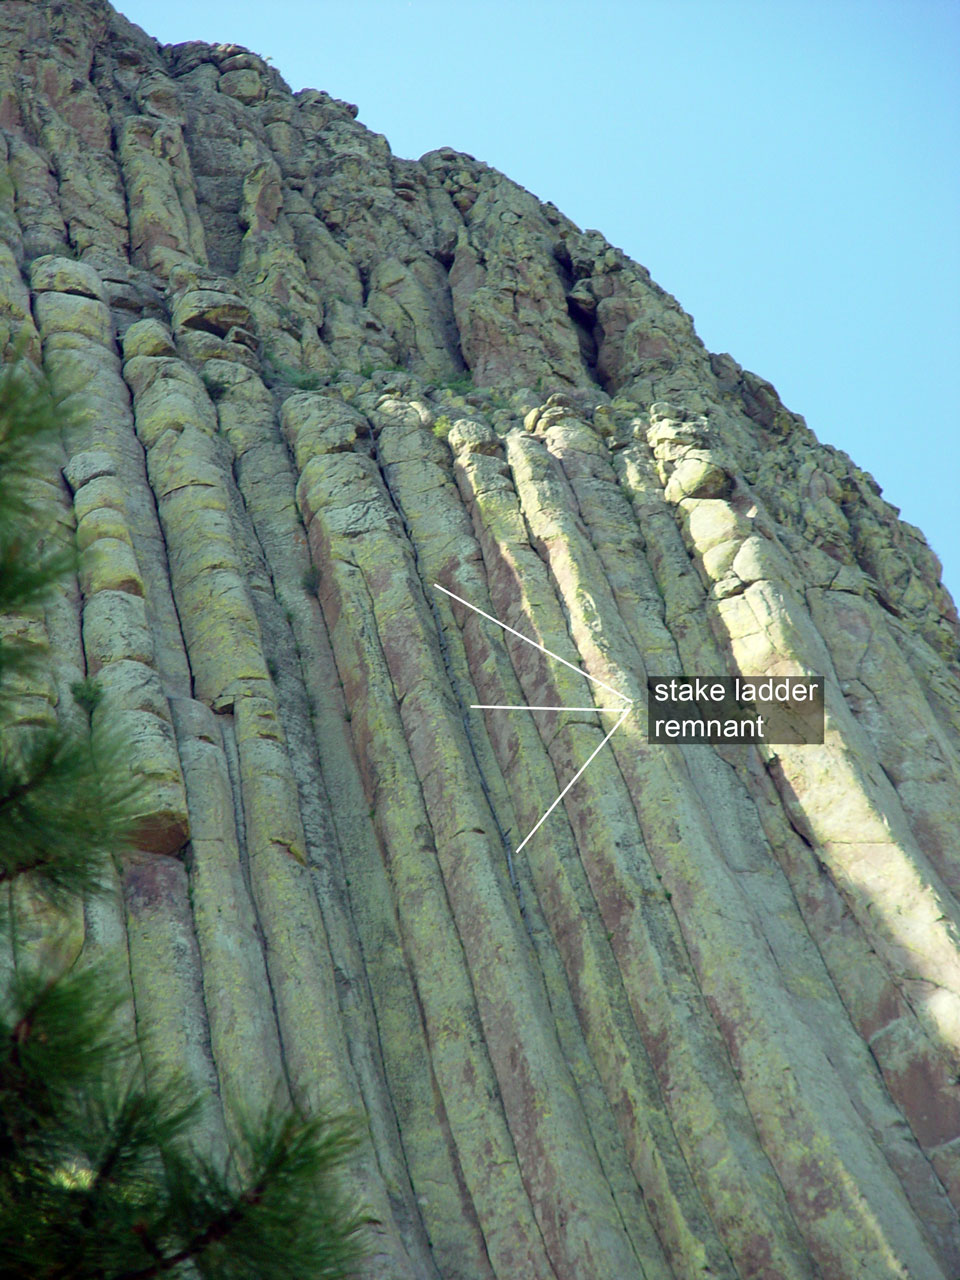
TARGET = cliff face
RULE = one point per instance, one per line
(706, 1022)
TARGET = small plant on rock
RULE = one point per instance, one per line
(460, 384)
(302, 379)
(87, 693)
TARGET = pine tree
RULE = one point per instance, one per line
(97, 1174)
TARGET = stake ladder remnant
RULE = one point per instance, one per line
(623, 710)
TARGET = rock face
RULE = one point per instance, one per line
(706, 1023)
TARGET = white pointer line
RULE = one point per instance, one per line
(623, 717)
(550, 654)
(503, 706)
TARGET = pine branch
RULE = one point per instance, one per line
(213, 1233)
(30, 419)
(42, 765)
(66, 803)
(292, 1194)
(56, 1037)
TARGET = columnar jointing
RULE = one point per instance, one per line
(391, 487)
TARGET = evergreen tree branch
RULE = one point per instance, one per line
(56, 1037)
(213, 1233)
(64, 806)
(291, 1192)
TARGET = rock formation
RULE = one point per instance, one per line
(706, 1023)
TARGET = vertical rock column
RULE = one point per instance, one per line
(294, 636)
(314, 424)
(573, 956)
(342, 500)
(105, 472)
(777, 1065)
(37, 698)
(771, 882)
(869, 994)
(189, 468)
(706, 1108)
(838, 798)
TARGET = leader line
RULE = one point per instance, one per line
(626, 704)
(505, 706)
(526, 639)
(580, 771)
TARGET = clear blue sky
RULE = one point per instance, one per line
(788, 169)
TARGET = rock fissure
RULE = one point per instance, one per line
(463, 706)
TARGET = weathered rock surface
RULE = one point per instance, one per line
(707, 1021)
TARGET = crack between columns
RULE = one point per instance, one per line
(455, 688)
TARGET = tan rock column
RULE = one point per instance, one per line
(836, 794)
(120, 653)
(586, 979)
(189, 467)
(340, 496)
(295, 638)
(756, 864)
(674, 823)
(706, 1108)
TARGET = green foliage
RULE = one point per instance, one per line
(28, 422)
(56, 1037)
(441, 427)
(64, 800)
(460, 384)
(66, 803)
(311, 579)
(300, 378)
(291, 1194)
(87, 693)
(98, 1177)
